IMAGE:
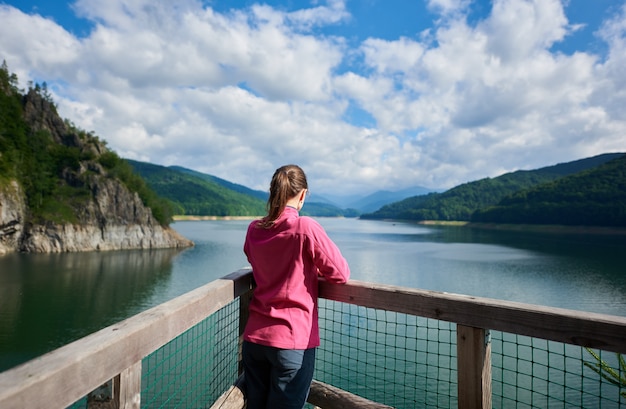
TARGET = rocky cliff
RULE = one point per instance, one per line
(106, 215)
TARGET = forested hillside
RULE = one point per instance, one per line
(595, 197)
(461, 202)
(53, 161)
(222, 182)
(193, 193)
(199, 194)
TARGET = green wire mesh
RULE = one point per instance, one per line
(536, 373)
(195, 368)
(396, 359)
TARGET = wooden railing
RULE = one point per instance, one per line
(63, 376)
(475, 316)
(67, 374)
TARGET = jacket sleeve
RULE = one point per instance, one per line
(326, 255)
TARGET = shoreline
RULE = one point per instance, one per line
(536, 228)
(182, 218)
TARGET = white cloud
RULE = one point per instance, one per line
(493, 97)
(517, 30)
(239, 93)
(610, 93)
(38, 44)
(333, 13)
(448, 7)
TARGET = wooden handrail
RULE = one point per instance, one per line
(606, 332)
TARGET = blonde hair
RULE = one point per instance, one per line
(287, 182)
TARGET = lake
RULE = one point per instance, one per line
(48, 300)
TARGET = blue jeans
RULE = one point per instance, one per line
(277, 378)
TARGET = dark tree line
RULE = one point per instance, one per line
(461, 202)
(595, 197)
(585, 192)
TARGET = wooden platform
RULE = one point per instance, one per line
(322, 395)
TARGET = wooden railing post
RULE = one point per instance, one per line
(234, 397)
(474, 367)
(121, 392)
(127, 388)
(244, 304)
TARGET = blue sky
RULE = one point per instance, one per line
(363, 94)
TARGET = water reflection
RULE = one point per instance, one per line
(576, 271)
(579, 266)
(48, 300)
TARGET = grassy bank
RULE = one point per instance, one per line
(541, 228)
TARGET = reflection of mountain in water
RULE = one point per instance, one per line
(554, 243)
(585, 254)
(63, 297)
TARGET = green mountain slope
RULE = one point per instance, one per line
(459, 203)
(596, 197)
(193, 193)
(222, 182)
(200, 194)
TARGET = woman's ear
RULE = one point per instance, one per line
(301, 199)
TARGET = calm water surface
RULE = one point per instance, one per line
(49, 300)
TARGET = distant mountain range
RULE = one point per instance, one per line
(502, 199)
(54, 174)
(196, 193)
(378, 199)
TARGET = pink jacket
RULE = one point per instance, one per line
(286, 260)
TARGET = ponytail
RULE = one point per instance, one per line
(287, 182)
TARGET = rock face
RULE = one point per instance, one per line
(69, 237)
(115, 219)
(12, 213)
(110, 218)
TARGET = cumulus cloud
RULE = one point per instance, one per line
(36, 44)
(238, 93)
(448, 7)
